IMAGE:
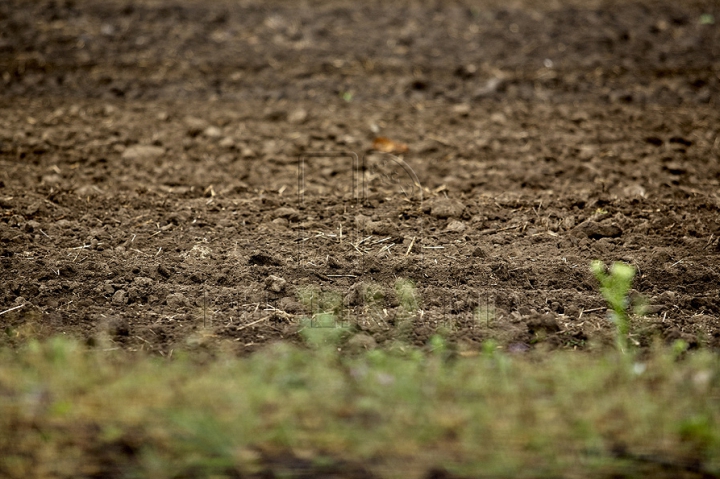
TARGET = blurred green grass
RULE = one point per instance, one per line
(70, 411)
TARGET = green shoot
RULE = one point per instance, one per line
(324, 324)
(614, 287)
(406, 294)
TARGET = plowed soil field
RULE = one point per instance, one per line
(186, 174)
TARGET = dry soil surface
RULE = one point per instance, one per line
(185, 174)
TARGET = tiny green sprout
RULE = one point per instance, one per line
(322, 331)
(707, 19)
(614, 287)
(347, 96)
(438, 345)
(485, 314)
(489, 348)
(406, 294)
(679, 347)
(373, 296)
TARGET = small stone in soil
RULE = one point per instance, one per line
(275, 283)
(447, 208)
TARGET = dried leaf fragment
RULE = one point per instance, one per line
(386, 145)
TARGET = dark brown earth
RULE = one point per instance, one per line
(149, 158)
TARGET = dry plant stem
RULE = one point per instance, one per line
(12, 309)
(264, 318)
(412, 243)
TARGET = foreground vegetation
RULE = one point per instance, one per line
(66, 411)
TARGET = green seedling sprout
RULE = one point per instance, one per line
(324, 324)
(406, 294)
(614, 287)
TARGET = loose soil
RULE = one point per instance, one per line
(152, 153)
